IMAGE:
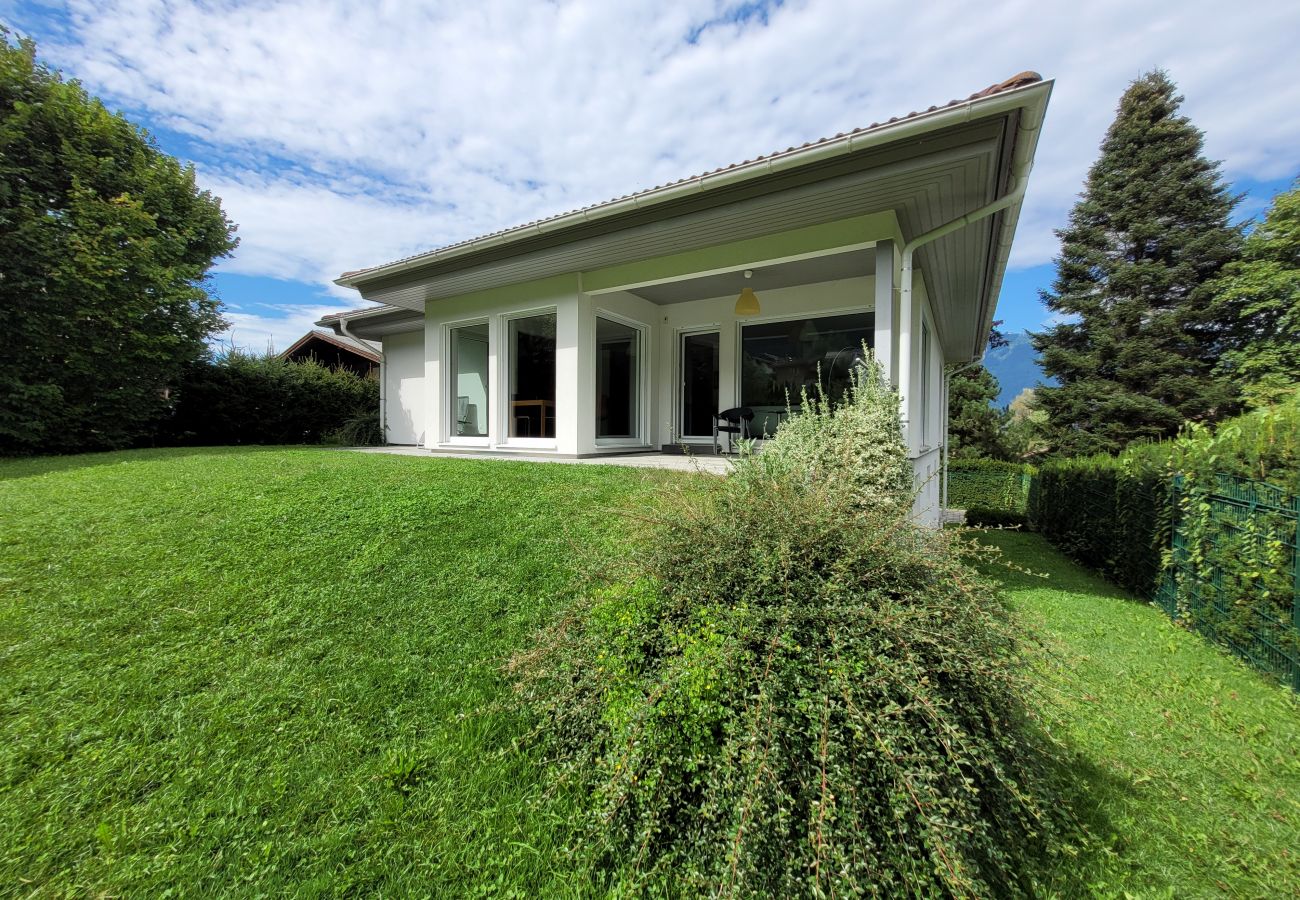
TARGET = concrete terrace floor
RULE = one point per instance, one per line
(718, 465)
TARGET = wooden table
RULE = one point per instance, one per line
(542, 406)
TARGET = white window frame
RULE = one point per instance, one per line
(642, 438)
(503, 368)
(449, 388)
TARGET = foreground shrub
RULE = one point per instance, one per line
(793, 691)
(241, 398)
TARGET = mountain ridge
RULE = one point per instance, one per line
(1016, 367)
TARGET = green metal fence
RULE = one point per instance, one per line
(1233, 570)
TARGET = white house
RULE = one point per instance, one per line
(625, 326)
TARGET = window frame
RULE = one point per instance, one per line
(507, 441)
(449, 388)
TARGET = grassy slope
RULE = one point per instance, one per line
(260, 668)
(1189, 759)
(264, 668)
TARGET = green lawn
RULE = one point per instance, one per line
(1190, 762)
(261, 668)
(277, 671)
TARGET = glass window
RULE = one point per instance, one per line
(532, 376)
(469, 382)
(780, 360)
(618, 380)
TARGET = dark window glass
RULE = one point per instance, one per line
(782, 359)
(618, 370)
(532, 376)
(699, 383)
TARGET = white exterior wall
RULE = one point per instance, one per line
(924, 415)
(403, 387)
(495, 307)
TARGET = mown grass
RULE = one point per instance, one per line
(274, 671)
(277, 671)
(1187, 759)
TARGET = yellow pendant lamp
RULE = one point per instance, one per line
(747, 302)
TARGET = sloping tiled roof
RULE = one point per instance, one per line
(1020, 80)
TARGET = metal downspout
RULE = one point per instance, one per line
(383, 379)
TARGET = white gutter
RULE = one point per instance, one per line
(914, 126)
(1021, 163)
(342, 324)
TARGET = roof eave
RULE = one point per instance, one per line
(1011, 218)
(1000, 103)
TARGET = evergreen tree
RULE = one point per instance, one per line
(1263, 287)
(1137, 348)
(974, 425)
(104, 245)
(973, 422)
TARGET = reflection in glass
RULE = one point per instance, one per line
(781, 360)
(469, 367)
(618, 354)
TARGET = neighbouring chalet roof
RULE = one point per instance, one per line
(496, 238)
(363, 349)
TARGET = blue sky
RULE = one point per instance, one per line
(341, 135)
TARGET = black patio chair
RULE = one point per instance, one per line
(738, 420)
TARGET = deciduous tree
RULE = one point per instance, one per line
(1263, 287)
(105, 243)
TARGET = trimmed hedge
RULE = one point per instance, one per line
(240, 398)
(988, 484)
(1206, 525)
(1110, 514)
(980, 517)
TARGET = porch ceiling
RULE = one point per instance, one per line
(852, 264)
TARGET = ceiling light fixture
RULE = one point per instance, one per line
(747, 302)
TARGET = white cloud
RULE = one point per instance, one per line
(413, 124)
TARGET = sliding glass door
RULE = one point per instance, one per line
(618, 381)
(699, 401)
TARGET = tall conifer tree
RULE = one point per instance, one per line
(1136, 350)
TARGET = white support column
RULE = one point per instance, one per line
(434, 386)
(886, 286)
